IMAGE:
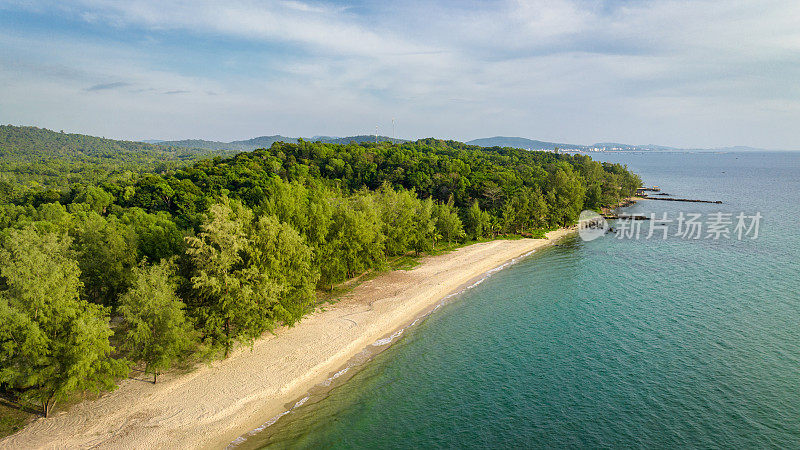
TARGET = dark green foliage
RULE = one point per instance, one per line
(423, 234)
(33, 157)
(282, 255)
(354, 242)
(88, 223)
(106, 250)
(477, 223)
(440, 170)
(249, 274)
(565, 195)
(157, 236)
(232, 299)
(398, 215)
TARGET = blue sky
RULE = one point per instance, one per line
(682, 73)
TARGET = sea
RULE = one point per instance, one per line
(680, 332)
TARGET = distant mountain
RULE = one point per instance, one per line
(519, 142)
(496, 141)
(530, 144)
(234, 146)
(263, 142)
(267, 141)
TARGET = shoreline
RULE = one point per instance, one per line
(216, 404)
(319, 391)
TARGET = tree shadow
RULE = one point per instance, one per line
(140, 375)
(9, 401)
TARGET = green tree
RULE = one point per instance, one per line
(355, 242)
(398, 216)
(64, 339)
(509, 219)
(477, 223)
(157, 236)
(156, 331)
(96, 198)
(537, 209)
(281, 255)
(53, 216)
(565, 195)
(106, 251)
(448, 224)
(222, 279)
(423, 232)
(592, 174)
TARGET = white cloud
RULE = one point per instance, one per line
(671, 72)
(316, 27)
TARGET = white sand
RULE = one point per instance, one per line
(215, 404)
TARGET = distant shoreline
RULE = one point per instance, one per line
(215, 404)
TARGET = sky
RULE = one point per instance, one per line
(680, 73)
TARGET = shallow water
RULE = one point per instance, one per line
(613, 342)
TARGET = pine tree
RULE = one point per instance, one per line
(448, 224)
(64, 339)
(281, 254)
(476, 222)
(222, 278)
(156, 329)
(566, 194)
(423, 233)
(397, 214)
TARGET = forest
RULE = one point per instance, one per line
(117, 265)
(32, 157)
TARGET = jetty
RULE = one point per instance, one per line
(625, 217)
(670, 199)
(642, 193)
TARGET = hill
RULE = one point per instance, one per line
(496, 141)
(524, 143)
(31, 156)
(267, 141)
(233, 146)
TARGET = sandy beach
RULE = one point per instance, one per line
(215, 404)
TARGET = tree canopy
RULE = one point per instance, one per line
(65, 346)
(214, 252)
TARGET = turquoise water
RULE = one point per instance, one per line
(608, 343)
